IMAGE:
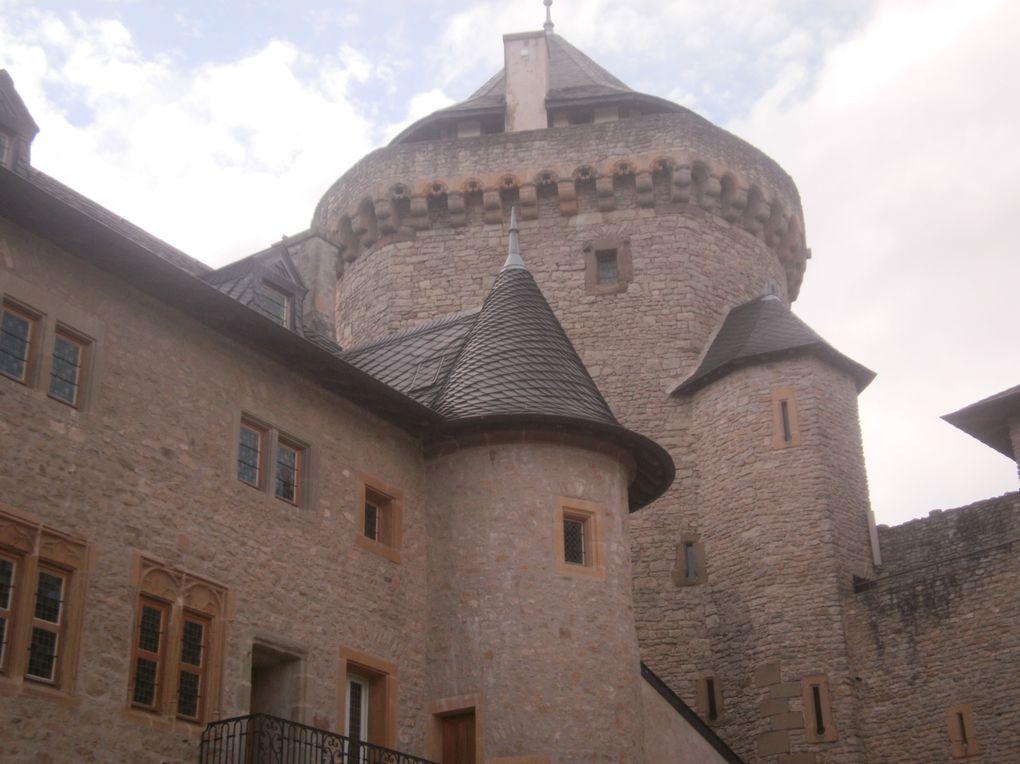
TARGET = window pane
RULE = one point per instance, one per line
(691, 562)
(371, 521)
(42, 655)
(6, 579)
(191, 643)
(145, 682)
(48, 597)
(607, 268)
(15, 334)
(286, 472)
(354, 711)
(149, 629)
(3, 640)
(66, 365)
(249, 455)
(273, 304)
(187, 695)
(573, 541)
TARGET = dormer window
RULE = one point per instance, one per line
(6, 145)
(276, 304)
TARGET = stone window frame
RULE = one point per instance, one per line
(708, 695)
(270, 439)
(588, 513)
(681, 573)
(53, 316)
(962, 738)
(186, 598)
(33, 548)
(785, 419)
(389, 503)
(381, 676)
(624, 265)
(816, 697)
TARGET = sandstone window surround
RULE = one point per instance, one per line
(380, 518)
(376, 679)
(272, 461)
(177, 645)
(42, 592)
(819, 724)
(608, 267)
(690, 568)
(962, 737)
(62, 373)
(709, 698)
(785, 422)
(577, 538)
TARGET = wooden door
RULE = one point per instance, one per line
(459, 738)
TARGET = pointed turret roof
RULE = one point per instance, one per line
(574, 80)
(762, 330)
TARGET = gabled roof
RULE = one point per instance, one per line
(988, 420)
(245, 280)
(574, 79)
(14, 115)
(763, 330)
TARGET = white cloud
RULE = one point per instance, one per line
(904, 153)
(219, 159)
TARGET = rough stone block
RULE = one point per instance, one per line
(785, 690)
(772, 743)
(767, 674)
(774, 706)
(789, 721)
(797, 758)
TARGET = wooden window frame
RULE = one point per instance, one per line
(271, 440)
(624, 266)
(690, 542)
(381, 676)
(7, 610)
(785, 419)
(569, 508)
(183, 598)
(282, 441)
(84, 352)
(962, 738)
(260, 467)
(35, 329)
(288, 303)
(34, 548)
(389, 504)
(816, 697)
(158, 657)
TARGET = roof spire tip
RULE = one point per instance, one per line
(548, 25)
(513, 258)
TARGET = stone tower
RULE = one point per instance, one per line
(651, 231)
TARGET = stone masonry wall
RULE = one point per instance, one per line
(940, 626)
(784, 530)
(148, 467)
(550, 653)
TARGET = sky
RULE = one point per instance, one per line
(217, 126)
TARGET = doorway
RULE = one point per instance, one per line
(458, 737)
(275, 682)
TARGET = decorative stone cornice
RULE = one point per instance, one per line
(683, 183)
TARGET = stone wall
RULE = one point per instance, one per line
(938, 627)
(549, 653)
(148, 467)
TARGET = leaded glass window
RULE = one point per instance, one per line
(275, 304)
(46, 624)
(574, 541)
(191, 668)
(65, 375)
(149, 643)
(16, 330)
(249, 454)
(288, 467)
(607, 268)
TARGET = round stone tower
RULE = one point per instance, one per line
(647, 226)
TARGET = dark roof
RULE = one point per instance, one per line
(416, 361)
(763, 330)
(574, 78)
(517, 360)
(245, 280)
(988, 420)
(14, 115)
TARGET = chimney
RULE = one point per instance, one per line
(526, 62)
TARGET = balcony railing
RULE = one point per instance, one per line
(264, 739)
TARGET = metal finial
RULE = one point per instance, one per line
(548, 25)
(513, 258)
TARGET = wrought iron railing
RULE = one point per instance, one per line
(264, 739)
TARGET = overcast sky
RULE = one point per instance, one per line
(218, 125)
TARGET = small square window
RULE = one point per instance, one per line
(578, 546)
(17, 337)
(607, 266)
(70, 355)
(381, 518)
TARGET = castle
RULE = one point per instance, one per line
(517, 455)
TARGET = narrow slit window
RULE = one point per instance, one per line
(690, 562)
(17, 333)
(574, 546)
(288, 471)
(784, 412)
(819, 724)
(46, 626)
(69, 354)
(713, 707)
(816, 696)
(607, 266)
(960, 721)
(965, 742)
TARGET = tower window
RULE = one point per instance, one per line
(819, 726)
(608, 268)
(573, 540)
(785, 427)
(275, 304)
(578, 543)
(960, 723)
(689, 569)
(708, 698)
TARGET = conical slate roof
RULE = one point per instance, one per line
(762, 330)
(517, 360)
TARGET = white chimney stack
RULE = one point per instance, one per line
(526, 61)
